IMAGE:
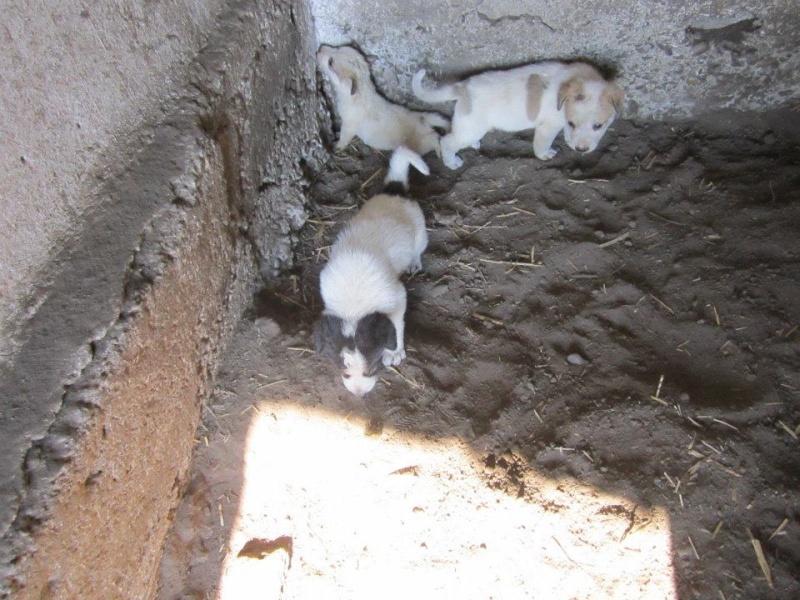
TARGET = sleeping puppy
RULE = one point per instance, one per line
(368, 115)
(549, 97)
(361, 328)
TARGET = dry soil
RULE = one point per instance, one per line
(601, 397)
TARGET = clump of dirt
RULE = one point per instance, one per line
(624, 321)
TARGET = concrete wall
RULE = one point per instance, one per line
(78, 80)
(676, 58)
(133, 246)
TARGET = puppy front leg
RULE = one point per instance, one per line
(543, 138)
(392, 358)
(346, 135)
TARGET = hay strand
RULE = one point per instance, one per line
(779, 530)
(762, 560)
(616, 240)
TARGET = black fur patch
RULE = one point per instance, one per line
(394, 188)
(374, 333)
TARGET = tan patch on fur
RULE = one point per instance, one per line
(535, 87)
(464, 101)
(570, 88)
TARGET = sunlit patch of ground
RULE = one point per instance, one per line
(328, 512)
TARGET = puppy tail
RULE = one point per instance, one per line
(441, 93)
(396, 181)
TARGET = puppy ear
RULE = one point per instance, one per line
(328, 336)
(567, 89)
(614, 94)
(353, 85)
(374, 334)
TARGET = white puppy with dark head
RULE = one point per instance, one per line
(379, 123)
(549, 97)
(362, 325)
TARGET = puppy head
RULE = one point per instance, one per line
(357, 351)
(344, 66)
(590, 106)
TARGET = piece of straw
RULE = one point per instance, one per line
(762, 560)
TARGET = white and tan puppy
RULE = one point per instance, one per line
(368, 115)
(549, 97)
(362, 324)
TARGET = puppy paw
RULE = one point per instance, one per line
(392, 358)
(452, 162)
(546, 154)
(415, 267)
(476, 145)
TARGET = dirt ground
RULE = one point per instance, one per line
(601, 397)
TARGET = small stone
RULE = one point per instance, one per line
(439, 290)
(576, 359)
(684, 397)
(599, 234)
(445, 219)
(656, 188)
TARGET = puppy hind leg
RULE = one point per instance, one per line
(466, 133)
(449, 147)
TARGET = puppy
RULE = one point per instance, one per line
(361, 328)
(549, 97)
(368, 115)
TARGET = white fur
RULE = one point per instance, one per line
(510, 100)
(385, 239)
(381, 124)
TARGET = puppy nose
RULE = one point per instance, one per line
(582, 148)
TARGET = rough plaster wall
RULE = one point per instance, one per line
(127, 467)
(676, 58)
(228, 150)
(78, 79)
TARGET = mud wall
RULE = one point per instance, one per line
(679, 58)
(189, 193)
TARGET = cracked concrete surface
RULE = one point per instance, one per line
(674, 59)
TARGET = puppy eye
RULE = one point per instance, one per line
(346, 375)
(330, 61)
(597, 126)
(580, 97)
(571, 124)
